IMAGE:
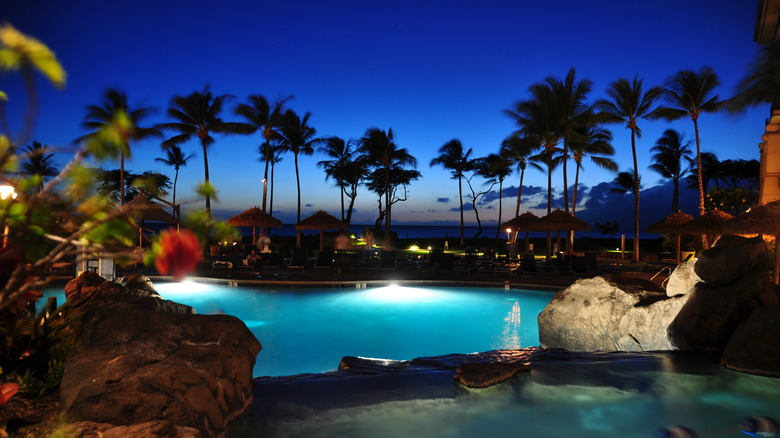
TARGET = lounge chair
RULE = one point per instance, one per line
(272, 262)
(299, 260)
(324, 261)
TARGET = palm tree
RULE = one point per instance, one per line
(710, 171)
(261, 117)
(540, 121)
(692, 93)
(500, 166)
(176, 159)
(571, 94)
(382, 153)
(38, 163)
(198, 115)
(628, 103)
(519, 149)
(762, 82)
(670, 150)
(453, 157)
(298, 137)
(594, 142)
(625, 182)
(342, 154)
(99, 116)
(276, 158)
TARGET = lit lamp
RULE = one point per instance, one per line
(509, 235)
(5, 193)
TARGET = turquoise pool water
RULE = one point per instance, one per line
(310, 330)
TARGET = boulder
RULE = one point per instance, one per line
(683, 279)
(482, 375)
(141, 359)
(600, 314)
(754, 346)
(711, 314)
(729, 258)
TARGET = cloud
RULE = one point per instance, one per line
(443, 200)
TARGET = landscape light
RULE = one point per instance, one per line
(6, 191)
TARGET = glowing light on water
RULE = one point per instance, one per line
(396, 293)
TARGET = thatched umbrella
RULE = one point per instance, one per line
(764, 219)
(671, 224)
(710, 223)
(525, 222)
(559, 220)
(142, 209)
(321, 220)
(254, 217)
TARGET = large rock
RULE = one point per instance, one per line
(754, 346)
(729, 258)
(141, 359)
(597, 314)
(712, 313)
(683, 279)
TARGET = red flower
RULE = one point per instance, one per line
(178, 253)
(7, 390)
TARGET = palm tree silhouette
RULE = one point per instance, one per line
(99, 116)
(261, 117)
(337, 168)
(519, 149)
(453, 157)
(500, 166)
(761, 84)
(670, 150)
(198, 115)
(382, 153)
(297, 136)
(628, 103)
(175, 159)
(571, 94)
(692, 93)
(38, 163)
(594, 142)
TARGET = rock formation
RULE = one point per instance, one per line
(144, 360)
(602, 314)
(724, 300)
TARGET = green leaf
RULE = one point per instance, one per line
(16, 212)
(19, 49)
(207, 189)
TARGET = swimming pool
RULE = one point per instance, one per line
(310, 330)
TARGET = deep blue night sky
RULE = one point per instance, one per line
(433, 71)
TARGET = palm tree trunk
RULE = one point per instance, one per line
(636, 199)
(500, 192)
(175, 179)
(701, 180)
(548, 256)
(122, 179)
(676, 195)
(342, 201)
(565, 176)
(519, 193)
(206, 170)
(298, 184)
(574, 206)
(460, 195)
(265, 173)
(387, 206)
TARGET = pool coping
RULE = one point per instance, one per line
(357, 284)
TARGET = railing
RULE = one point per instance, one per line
(665, 268)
